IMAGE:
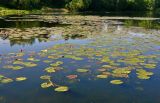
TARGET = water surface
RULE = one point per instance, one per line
(129, 47)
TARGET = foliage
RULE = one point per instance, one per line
(78, 4)
(74, 5)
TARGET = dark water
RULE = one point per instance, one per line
(28, 23)
(87, 88)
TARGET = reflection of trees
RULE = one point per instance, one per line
(4, 36)
(21, 41)
(26, 24)
(148, 24)
(29, 41)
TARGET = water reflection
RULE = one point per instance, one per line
(148, 24)
(27, 23)
(41, 38)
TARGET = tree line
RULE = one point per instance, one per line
(85, 5)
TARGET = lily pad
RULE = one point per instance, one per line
(45, 77)
(33, 59)
(61, 89)
(13, 67)
(29, 64)
(1, 77)
(46, 85)
(50, 70)
(143, 74)
(102, 76)
(116, 82)
(26, 64)
(58, 63)
(6, 80)
(73, 57)
(21, 78)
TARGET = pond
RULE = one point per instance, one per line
(114, 61)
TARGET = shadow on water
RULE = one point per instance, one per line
(148, 24)
(34, 39)
(128, 14)
(27, 24)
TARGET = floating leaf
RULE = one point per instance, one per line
(117, 82)
(29, 64)
(1, 77)
(50, 69)
(13, 67)
(33, 59)
(106, 66)
(143, 77)
(143, 74)
(122, 71)
(102, 76)
(73, 57)
(150, 66)
(56, 64)
(62, 89)
(46, 85)
(6, 80)
(45, 77)
(21, 78)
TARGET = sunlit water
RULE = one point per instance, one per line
(87, 88)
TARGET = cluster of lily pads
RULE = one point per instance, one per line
(5, 80)
(48, 83)
(115, 57)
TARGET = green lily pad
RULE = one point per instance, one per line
(143, 74)
(21, 78)
(6, 80)
(45, 77)
(73, 57)
(29, 64)
(46, 85)
(13, 67)
(58, 63)
(26, 64)
(33, 59)
(61, 89)
(1, 77)
(116, 82)
(122, 71)
(50, 70)
(150, 66)
(102, 76)
(143, 77)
